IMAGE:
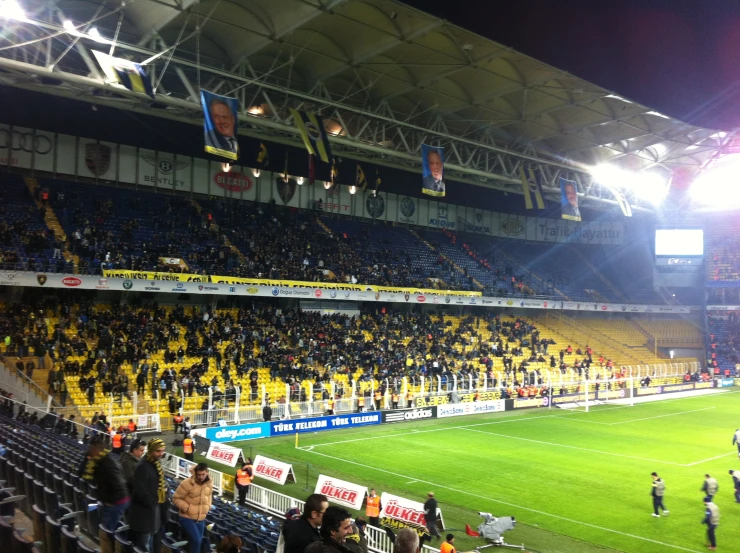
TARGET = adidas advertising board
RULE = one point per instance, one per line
(406, 415)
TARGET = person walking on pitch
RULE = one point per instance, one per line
(657, 493)
(710, 487)
(711, 519)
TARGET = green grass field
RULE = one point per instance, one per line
(575, 481)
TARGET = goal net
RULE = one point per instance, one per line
(588, 394)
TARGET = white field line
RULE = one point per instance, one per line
(710, 459)
(512, 505)
(574, 447)
(661, 416)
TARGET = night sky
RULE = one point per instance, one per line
(680, 57)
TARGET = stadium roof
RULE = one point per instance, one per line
(384, 76)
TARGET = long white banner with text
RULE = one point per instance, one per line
(47, 280)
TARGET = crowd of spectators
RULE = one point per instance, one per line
(109, 350)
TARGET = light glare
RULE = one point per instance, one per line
(10, 9)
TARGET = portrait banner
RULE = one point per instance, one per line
(569, 200)
(219, 124)
(432, 168)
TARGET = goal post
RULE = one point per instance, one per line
(585, 394)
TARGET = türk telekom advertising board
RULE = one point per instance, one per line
(272, 470)
(341, 492)
(399, 512)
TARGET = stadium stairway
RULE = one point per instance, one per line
(443, 256)
(578, 334)
(323, 226)
(226, 240)
(612, 288)
(52, 222)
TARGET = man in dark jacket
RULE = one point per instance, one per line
(336, 525)
(149, 502)
(129, 461)
(430, 515)
(101, 469)
(298, 534)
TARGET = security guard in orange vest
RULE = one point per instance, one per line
(244, 477)
(177, 421)
(132, 426)
(448, 545)
(372, 508)
(188, 448)
(394, 400)
(409, 399)
(116, 443)
(330, 406)
(360, 404)
(378, 396)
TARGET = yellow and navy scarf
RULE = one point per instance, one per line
(153, 446)
(91, 465)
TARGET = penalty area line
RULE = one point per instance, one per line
(512, 505)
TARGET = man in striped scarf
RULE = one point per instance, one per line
(148, 510)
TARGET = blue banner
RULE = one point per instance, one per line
(238, 433)
(318, 424)
(432, 170)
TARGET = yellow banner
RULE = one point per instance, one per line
(183, 277)
(151, 275)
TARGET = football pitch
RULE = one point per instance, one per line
(575, 481)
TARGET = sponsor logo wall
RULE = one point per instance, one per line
(341, 492)
(84, 157)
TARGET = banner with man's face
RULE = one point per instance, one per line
(569, 200)
(433, 170)
(220, 124)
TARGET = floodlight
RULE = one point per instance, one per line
(68, 26)
(11, 9)
(352, 189)
(94, 34)
(299, 180)
(649, 186)
(718, 186)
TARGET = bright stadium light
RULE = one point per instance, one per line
(11, 9)
(256, 173)
(352, 189)
(327, 185)
(94, 34)
(68, 26)
(299, 180)
(649, 186)
(717, 187)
